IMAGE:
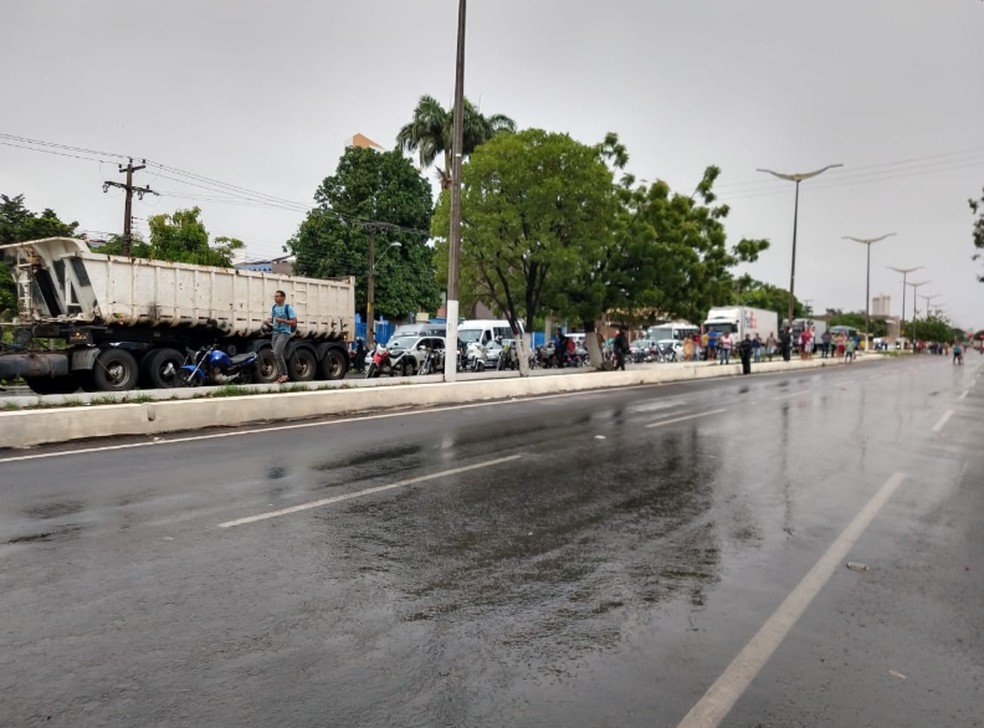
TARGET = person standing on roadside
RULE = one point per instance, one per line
(724, 344)
(621, 348)
(771, 345)
(745, 349)
(785, 343)
(283, 319)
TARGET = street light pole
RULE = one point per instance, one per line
(454, 237)
(797, 178)
(371, 285)
(904, 272)
(914, 287)
(926, 300)
(867, 286)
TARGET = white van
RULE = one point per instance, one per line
(485, 330)
(673, 334)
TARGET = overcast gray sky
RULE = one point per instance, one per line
(264, 96)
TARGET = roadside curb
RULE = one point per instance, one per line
(27, 428)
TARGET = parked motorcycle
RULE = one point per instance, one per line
(211, 365)
(387, 362)
(433, 362)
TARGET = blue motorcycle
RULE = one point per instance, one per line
(213, 366)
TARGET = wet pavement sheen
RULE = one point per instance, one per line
(606, 577)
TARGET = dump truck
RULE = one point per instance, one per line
(113, 323)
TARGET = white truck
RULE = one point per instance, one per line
(111, 323)
(741, 320)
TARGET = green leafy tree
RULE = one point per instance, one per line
(977, 207)
(750, 292)
(429, 133)
(683, 264)
(935, 328)
(18, 224)
(534, 204)
(372, 187)
(139, 248)
(182, 237)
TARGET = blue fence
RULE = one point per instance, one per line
(383, 330)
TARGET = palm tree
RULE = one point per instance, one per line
(430, 133)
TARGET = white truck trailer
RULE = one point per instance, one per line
(112, 322)
(741, 320)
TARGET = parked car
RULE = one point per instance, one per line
(416, 348)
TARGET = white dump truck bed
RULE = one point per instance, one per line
(61, 279)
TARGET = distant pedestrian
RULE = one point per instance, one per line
(725, 344)
(785, 343)
(825, 339)
(745, 349)
(283, 320)
(849, 346)
(771, 346)
(957, 353)
(621, 347)
(757, 347)
(688, 349)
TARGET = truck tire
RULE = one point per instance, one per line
(265, 369)
(160, 368)
(334, 364)
(53, 385)
(302, 365)
(115, 371)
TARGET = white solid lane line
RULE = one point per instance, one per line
(688, 417)
(792, 394)
(367, 491)
(711, 709)
(942, 420)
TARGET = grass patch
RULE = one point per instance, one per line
(11, 406)
(230, 390)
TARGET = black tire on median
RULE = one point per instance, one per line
(265, 368)
(334, 365)
(115, 370)
(161, 367)
(302, 365)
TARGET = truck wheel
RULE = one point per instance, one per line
(160, 368)
(53, 385)
(302, 365)
(334, 364)
(265, 368)
(115, 371)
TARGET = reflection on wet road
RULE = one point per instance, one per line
(588, 560)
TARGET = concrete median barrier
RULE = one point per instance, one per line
(154, 415)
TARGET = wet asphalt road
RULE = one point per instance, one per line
(605, 572)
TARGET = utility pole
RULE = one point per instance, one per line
(129, 189)
(454, 238)
(372, 228)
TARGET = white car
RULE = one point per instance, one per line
(412, 351)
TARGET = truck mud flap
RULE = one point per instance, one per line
(33, 364)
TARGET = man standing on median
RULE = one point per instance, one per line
(284, 321)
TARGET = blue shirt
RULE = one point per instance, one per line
(285, 312)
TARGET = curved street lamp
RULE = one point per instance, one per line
(796, 177)
(915, 287)
(867, 287)
(904, 272)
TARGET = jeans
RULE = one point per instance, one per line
(725, 356)
(279, 344)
